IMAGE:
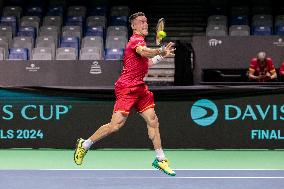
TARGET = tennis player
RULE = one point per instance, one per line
(132, 92)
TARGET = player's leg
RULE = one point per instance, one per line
(161, 161)
(117, 121)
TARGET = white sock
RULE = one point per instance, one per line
(160, 154)
(87, 144)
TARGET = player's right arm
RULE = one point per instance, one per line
(252, 68)
(148, 52)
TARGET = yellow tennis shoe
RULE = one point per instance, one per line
(80, 152)
(163, 166)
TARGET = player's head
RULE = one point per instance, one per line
(139, 23)
(261, 57)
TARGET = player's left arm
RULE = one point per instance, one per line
(169, 51)
(273, 74)
(272, 71)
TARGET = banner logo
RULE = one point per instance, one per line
(204, 112)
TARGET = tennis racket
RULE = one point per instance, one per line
(160, 28)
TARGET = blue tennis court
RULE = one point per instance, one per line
(141, 179)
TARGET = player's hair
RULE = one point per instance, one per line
(135, 15)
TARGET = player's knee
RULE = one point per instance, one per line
(154, 122)
(114, 127)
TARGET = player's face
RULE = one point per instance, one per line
(140, 25)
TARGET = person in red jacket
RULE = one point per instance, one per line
(261, 68)
(281, 71)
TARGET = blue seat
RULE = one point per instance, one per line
(72, 42)
(34, 11)
(18, 54)
(262, 30)
(95, 31)
(114, 54)
(98, 11)
(75, 21)
(55, 11)
(279, 30)
(9, 21)
(27, 32)
(69, 42)
(239, 20)
(118, 21)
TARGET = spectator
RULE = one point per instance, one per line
(262, 69)
(281, 71)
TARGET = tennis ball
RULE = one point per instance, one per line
(162, 34)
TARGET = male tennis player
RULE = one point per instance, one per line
(132, 92)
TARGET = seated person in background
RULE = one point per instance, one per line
(261, 68)
(281, 71)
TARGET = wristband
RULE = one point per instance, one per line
(157, 59)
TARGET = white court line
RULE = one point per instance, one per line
(174, 177)
(156, 169)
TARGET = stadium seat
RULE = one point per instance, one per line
(34, 11)
(114, 54)
(2, 54)
(9, 21)
(69, 42)
(261, 10)
(116, 42)
(96, 21)
(262, 20)
(12, 11)
(47, 42)
(95, 31)
(117, 31)
(50, 31)
(239, 30)
(27, 32)
(42, 53)
(98, 11)
(31, 21)
(218, 10)
(75, 21)
(240, 10)
(92, 41)
(72, 42)
(23, 43)
(65, 53)
(279, 22)
(262, 30)
(52, 21)
(216, 30)
(279, 30)
(119, 11)
(118, 21)
(6, 31)
(91, 53)
(18, 54)
(72, 31)
(217, 20)
(4, 44)
(55, 11)
(239, 20)
(77, 11)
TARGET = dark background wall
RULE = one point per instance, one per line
(234, 52)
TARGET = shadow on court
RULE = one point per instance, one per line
(141, 179)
